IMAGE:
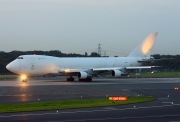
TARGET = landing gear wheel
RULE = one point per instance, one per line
(87, 79)
(24, 80)
(70, 79)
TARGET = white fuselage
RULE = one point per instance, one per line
(40, 65)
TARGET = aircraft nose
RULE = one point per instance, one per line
(13, 67)
(8, 66)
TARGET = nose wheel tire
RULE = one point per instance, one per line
(24, 80)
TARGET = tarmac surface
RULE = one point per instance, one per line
(165, 108)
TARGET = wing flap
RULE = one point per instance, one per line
(85, 69)
(142, 67)
(66, 71)
(107, 69)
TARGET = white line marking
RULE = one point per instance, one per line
(167, 102)
(101, 119)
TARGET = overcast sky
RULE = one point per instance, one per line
(79, 25)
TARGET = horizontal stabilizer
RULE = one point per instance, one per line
(152, 60)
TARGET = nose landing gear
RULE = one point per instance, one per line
(23, 78)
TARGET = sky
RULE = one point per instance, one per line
(78, 26)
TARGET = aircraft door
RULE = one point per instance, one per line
(19, 65)
(33, 62)
(109, 63)
(32, 66)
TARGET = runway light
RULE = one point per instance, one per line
(176, 88)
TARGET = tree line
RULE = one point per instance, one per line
(171, 64)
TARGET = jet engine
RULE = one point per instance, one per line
(82, 75)
(116, 73)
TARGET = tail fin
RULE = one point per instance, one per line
(145, 47)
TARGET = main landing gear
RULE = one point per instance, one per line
(70, 78)
(87, 79)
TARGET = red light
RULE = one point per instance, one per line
(118, 98)
(176, 88)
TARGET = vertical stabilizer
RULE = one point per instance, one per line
(145, 47)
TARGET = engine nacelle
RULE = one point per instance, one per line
(116, 73)
(82, 75)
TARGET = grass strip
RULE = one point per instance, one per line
(68, 104)
(158, 74)
(8, 76)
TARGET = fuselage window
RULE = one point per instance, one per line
(20, 58)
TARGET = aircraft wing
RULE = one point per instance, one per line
(107, 69)
(103, 69)
(94, 71)
(119, 68)
(67, 70)
(140, 67)
(88, 70)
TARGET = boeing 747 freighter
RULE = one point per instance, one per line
(84, 68)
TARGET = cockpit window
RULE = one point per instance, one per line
(20, 58)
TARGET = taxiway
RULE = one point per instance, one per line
(166, 107)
